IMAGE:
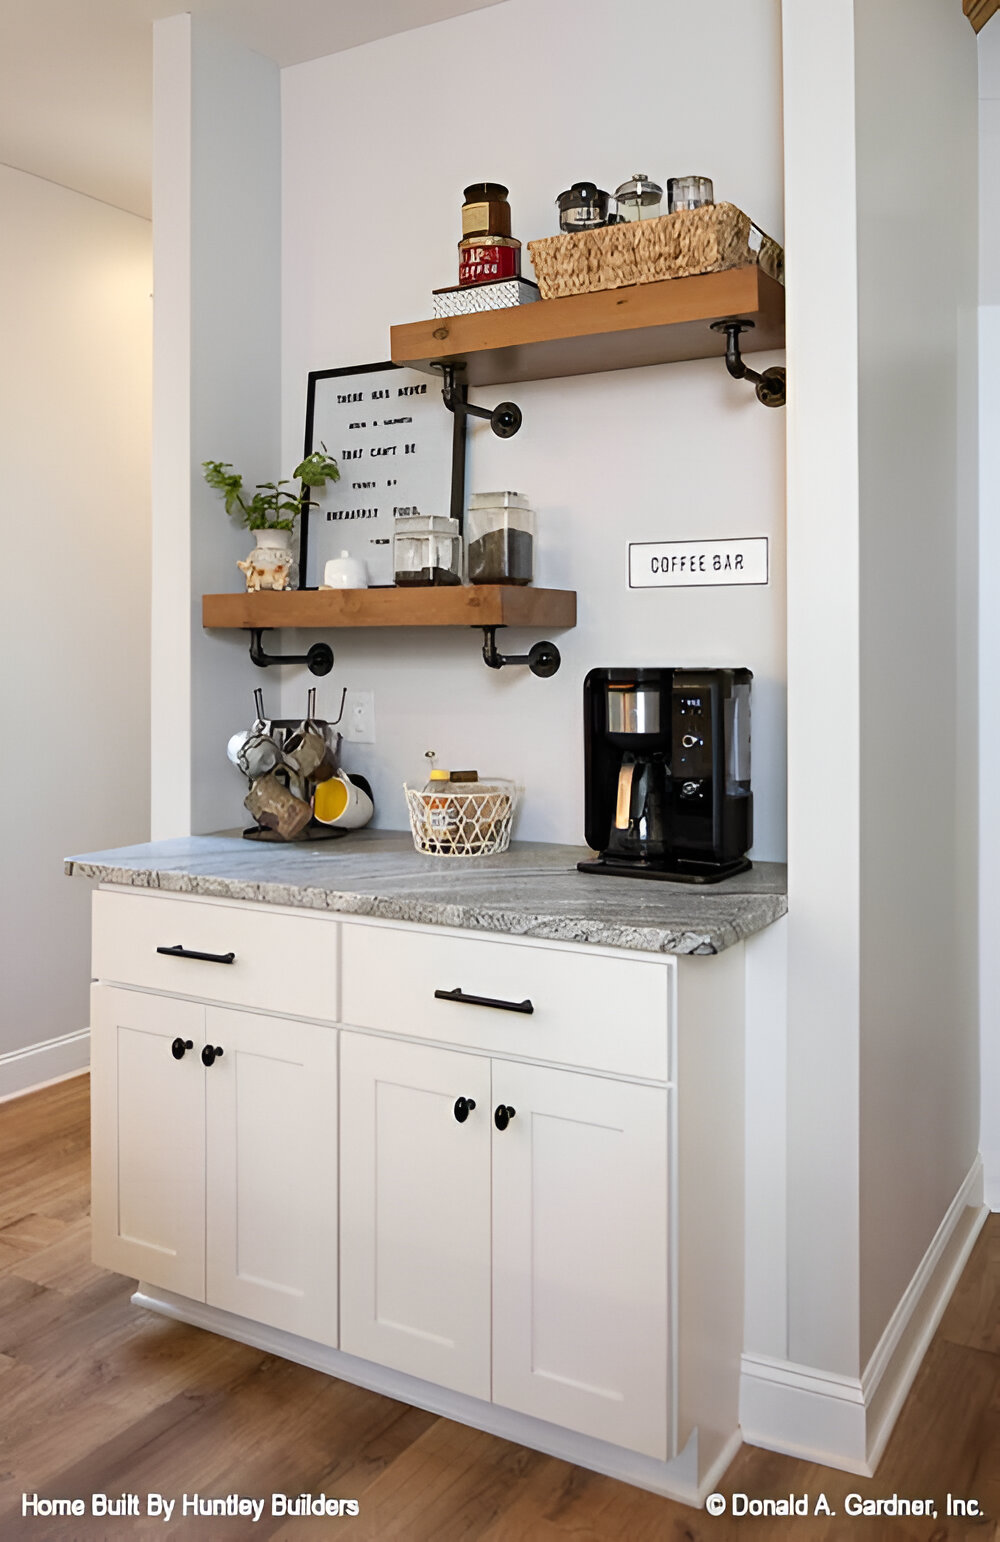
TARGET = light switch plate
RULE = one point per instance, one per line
(359, 717)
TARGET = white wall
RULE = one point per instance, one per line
(75, 320)
(989, 597)
(376, 152)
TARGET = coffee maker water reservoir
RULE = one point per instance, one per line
(667, 773)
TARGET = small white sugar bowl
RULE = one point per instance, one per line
(345, 572)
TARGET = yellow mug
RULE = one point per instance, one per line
(337, 801)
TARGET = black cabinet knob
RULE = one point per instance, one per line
(178, 1047)
(463, 1108)
(503, 1115)
(209, 1055)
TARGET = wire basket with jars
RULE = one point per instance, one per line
(457, 815)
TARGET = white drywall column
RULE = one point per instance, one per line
(989, 597)
(823, 685)
(916, 130)
(216, 391)
(882, 1077)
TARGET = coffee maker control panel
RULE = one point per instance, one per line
(692, 740)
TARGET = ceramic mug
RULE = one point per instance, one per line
(258, 755)
(275, 807)
(339, 801)
(235, 744)
(308, 754)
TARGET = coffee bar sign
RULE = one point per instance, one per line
(693, 564)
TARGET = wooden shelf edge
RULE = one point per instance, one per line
(462, 605)
(663, 322)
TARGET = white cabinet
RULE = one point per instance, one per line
(219, 1180)
(415, 1211)
(566, 1271)
(568, 1284)
(580, 1283)
(271, 1166)
(148, 1138)
(254, 956)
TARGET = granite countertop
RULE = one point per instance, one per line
(533, 890)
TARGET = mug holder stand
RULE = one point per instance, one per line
(315, 830)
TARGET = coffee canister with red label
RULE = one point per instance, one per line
(485, 260)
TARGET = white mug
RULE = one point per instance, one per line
(235, 744)
(338, 801)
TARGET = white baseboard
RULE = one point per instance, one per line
(889, 1374)
(39, 1065)
(843, 1421)
(803, 1412)
(991, 1179)
(676, 1479)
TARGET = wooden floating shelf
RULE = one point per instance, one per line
(454, 605)
(584, 334)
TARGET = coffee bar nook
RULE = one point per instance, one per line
(461, 1031)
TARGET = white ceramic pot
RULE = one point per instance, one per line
(271, 564)
(345, 572)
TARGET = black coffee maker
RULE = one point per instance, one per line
(667, 773)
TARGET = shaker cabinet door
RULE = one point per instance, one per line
(148, 1151)
(415, 1210)
(580, 1298)
(271, 1217)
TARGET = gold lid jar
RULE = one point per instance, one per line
(485, 211)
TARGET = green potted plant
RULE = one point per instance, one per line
(271, 511)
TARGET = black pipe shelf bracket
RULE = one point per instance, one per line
(770, 385)
(319, 659)
(505, 420)
(543, 659)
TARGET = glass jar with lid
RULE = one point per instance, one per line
(585, 206)
(500, 529)
(427, 549)
(689, 193)
(640, 199)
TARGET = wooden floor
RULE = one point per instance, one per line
(98, 1397)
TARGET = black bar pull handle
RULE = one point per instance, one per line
(484, 1001)
(209, 958)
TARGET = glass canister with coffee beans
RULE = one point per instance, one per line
(500, 530)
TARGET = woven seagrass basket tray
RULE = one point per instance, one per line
(705, 240)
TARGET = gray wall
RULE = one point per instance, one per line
(74, 489)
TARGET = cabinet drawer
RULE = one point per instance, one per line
(283, 962)
(606, 1014)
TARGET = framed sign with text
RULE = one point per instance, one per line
(391, 437)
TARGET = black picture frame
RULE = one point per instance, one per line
(449, 446)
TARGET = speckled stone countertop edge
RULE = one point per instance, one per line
(748, 913)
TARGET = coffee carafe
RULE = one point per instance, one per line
(667, 773)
